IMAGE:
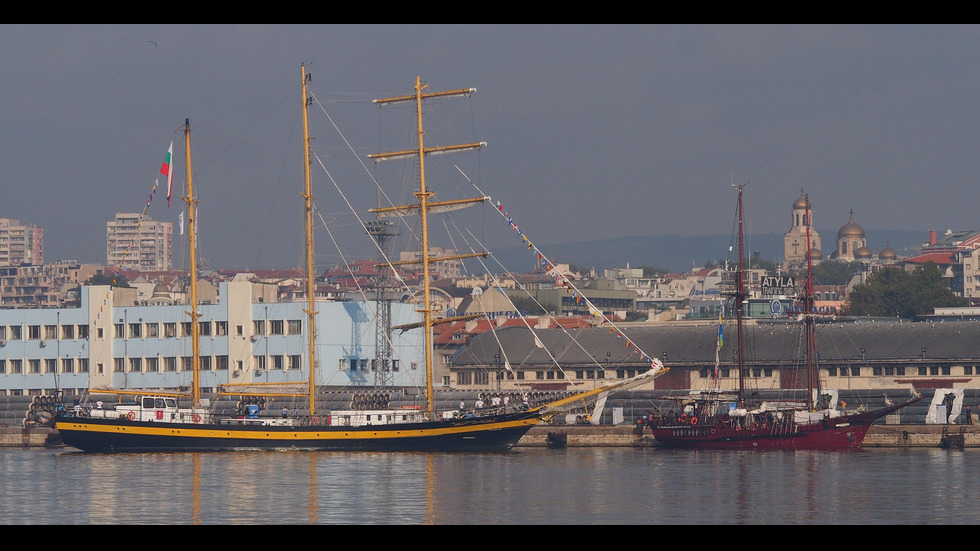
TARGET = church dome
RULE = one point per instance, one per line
(161, 291)
(887, 253)
(801, 203)
(816, 254)
(850, 229)
(863, 252)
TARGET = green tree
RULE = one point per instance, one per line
(835, 273)
(894, 292)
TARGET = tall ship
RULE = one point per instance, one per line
(716, 419)
(156, 421)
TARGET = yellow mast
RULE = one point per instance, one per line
(310, 274)
(423, 197)
(195, 330)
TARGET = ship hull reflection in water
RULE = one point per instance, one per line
(525, 486)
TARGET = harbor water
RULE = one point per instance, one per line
(530, 486)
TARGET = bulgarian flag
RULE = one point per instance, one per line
(167, 169)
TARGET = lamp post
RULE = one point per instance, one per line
(496, 358)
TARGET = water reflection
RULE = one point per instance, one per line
(526, 486)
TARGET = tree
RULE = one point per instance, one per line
(894, 292)
(835, 273)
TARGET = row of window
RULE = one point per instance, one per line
(141, 330)
(145, 365)
(852, 371)
(361, 364)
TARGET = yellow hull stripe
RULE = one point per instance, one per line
(309, 433)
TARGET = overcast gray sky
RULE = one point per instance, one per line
(593, 132)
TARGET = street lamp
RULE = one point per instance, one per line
(496, 358)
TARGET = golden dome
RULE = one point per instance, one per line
(863, 252)
(850, 229)
(801, 203)
(816, 254)
(887, 253)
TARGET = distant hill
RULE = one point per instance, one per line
(682, 253)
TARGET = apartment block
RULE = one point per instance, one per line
(20, 243)
(140, 243)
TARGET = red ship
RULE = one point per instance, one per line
(724, 420)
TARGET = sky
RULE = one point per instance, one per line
(593, 131)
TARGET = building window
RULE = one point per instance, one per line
(342, 365)
(277, 362)
(118, 365)
(394, 365)
(900, 371)
(67, 365)
(68, 332)
(222, 363)
(855, 372)
(968, 370)
(51, 332)
(3, 366)
(83, 365)
(240, 330)
(135, 330)
(364, 365)
(152, 330)
(481, 378)
(205, 363)
(258, 328)
(275, 327)
(170, 363)
(221, 328)
(295, 327)
(945, 370)
(204, 328)
(464, 378)
(119, 330)
(186, 363)
(186, 329)
(152, 365)
(50, 365)
(258, 362)
(16, 367)
(170, 329)
(295, 362)
(136, 365)
(934, 370)
(15, 333)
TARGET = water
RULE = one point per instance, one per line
(525, 486)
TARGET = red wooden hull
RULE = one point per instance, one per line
(838, 433)
(832, 436)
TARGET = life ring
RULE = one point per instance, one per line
(197, 418)
(131, 415)
(316, 420)
(694, 420)
(683, 418)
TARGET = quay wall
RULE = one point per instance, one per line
(879, 436)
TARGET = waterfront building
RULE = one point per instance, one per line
(868, 355)
(138, 242)
(115, 342)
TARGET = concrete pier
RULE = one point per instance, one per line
(879, 436)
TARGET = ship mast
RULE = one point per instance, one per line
(422, 207)
(811, 376)
(739, 296)
(195, 329)
(310, 274)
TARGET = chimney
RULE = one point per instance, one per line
(932, 238)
